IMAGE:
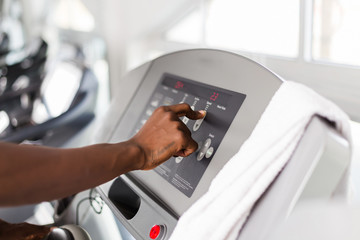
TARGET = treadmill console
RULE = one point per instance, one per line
(232, 89)
(221, 106)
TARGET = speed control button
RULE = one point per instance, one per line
(207, 143)
(204, 149)
(209, 152)
(200, 156)
(198, 124)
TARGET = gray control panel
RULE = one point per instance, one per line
(221, 106)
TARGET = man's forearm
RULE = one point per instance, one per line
(35, 173)
(30, 174)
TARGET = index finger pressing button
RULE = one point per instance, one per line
(198, 123)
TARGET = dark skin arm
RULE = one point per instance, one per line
(20, 231)
(30, 174)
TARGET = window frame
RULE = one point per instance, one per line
(338, 82)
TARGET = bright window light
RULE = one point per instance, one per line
(336, 32)
(262, 26)
(72, 14)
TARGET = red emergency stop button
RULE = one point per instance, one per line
(156, 231)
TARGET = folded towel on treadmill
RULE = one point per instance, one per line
(223, 210)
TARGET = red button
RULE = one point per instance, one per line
(155, 231)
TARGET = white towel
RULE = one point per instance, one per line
(223, 210)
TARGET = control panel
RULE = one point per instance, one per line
(221, 106)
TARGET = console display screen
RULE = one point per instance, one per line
(221, 106)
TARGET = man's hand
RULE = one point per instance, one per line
(25, 231)
(76, 169)
(165, 135)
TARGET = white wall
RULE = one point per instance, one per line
(125, 21)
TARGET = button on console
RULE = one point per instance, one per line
(198, 124)
(200, 156)
(157, 232)
(204, 149)
(209, 152)
(185, 120)
(178, 159)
